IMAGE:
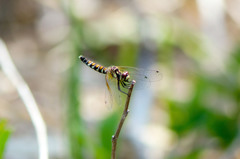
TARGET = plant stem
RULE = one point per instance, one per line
(124, 115)
(25, 94)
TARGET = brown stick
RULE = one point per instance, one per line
(124, 115)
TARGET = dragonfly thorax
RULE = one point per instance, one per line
(122, 76)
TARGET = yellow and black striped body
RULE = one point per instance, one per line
(93, 65)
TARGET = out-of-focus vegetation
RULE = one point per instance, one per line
(4, 135)
(195, 112)
(210, 117)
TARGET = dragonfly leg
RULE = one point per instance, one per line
(120, 88)
(125, 85)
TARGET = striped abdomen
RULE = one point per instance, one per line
(93, 65)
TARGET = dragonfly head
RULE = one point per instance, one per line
(125, 76)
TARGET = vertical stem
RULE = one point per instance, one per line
(74, 124)
(73, 119)
(25, 94)
(124, 115)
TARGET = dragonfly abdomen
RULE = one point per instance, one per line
(93, 65)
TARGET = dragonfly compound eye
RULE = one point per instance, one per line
(125, 75)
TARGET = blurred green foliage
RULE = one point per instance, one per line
(202, 112)
(4, 136)
(75, 126)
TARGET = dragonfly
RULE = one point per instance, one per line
(123, 76)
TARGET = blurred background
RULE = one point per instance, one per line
(191, 113)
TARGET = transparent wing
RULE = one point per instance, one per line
(113, 95)
(143, 77)
(142, 74)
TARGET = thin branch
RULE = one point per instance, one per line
(25, 94)
(124, 115)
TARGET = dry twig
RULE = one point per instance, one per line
(124, 115)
